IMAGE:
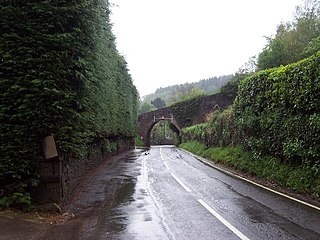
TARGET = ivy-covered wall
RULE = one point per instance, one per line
(61, 74)
(194, 111)
(185, 112)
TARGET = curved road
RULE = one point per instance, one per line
(166, 193)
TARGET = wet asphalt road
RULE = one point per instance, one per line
(166, 193)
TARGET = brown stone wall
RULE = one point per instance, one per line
(60, 177)
(74, 169)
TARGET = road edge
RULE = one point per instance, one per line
(211, 164)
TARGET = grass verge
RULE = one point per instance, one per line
(300, 179)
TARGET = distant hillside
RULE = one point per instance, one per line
(208, 86)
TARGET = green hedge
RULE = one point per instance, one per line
(61, 74)
(220, 130)
(276, 116)
(278, 111)
(196, 132)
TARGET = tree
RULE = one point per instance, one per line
(158, 103)
(292, 41)
(312, 48)
(172, 93)
(310, 9)
(146, 107)
(231, 88)
(192, 93)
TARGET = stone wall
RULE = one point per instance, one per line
(61, 176)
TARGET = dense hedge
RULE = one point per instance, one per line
(278, 111)
(276, 116)
(196, 132)
(61, 74)
(220, 130)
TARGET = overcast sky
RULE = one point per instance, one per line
(167, 42)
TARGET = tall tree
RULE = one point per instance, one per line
(292, 40)
(146, 107)
(158, 103)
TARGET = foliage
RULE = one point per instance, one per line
(138, 141)
(220, 130)
(276, 117)
(18, 199)
(297, 178)
(171, 94)
(161, 133)
(231, 88)
(60, 74)
(278, 112)
(196, 132)
(145, 107)
(158, 103)
(191, 94)
(294, 40)
(108, 146)
(184, 111)
(312, 48)
(275, 114)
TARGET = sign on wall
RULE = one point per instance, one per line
(49, 148)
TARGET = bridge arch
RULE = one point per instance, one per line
(148, 120)
(173, 126)
(183, 114)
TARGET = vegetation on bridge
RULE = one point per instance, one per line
(61, 74)
(184, 111)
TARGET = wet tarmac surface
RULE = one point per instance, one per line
(165, 193)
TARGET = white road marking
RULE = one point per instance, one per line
(164, 162)
(166, 165)
(222, 220)
(173, 175)
(252, 182)
(181, 183)
(153, 195)
(206, 206)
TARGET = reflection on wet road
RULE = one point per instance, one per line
(134, 208)
(165, 193)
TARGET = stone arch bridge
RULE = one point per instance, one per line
(183, 114)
